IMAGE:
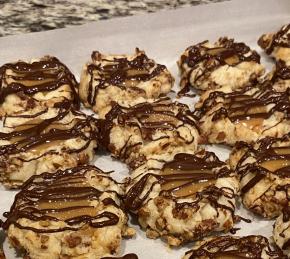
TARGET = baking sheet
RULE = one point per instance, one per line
(163, 36)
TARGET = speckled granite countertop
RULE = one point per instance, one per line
(22, 16)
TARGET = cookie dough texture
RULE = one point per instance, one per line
(281, 232)
(257, 247)
(225, 63)
(263, 170)
(59, 141)
(184, 199)
(246, 115)
(74, 213)
(31, 88)
(124, 79)
(156, 130)
(277, 44)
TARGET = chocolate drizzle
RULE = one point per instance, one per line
(148, 118)
(187, 176)
(282, 72)
(271, 157)
(45, 75)
(33, 134)
(63, 196)
(225, 52)
(127, 256)
(236, 247)
(242, 106)
(120, 72)
(279, 39)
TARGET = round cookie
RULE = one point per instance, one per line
(277, 44)
(44, 145)
(30, 88)
(263, 169)
(124, 79)
(76, 213)
(184, 199)
(281, 232)
(156, 130)
(246, 115)
(226, 63)
(232, 247)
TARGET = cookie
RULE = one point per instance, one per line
(30, 88)
(184, 199)
(281, 232)
(156, 130)
(280, 76)
(277, 44)
(230, 247)
(263, 169)
(76, 213)
(44, 145)
(246, 115)
(226, 63)
(124, 79)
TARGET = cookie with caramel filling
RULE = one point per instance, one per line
(184, 199)
(264, 172)
(60, 141)
(277, 44)
(76, 213)
(232, 247)
(226, 63)
(31, 88)
(145, 131)
(246, 115)
(124, 79)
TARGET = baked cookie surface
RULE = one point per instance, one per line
(226, 63)
(156, 130)
(281, 232)
(277, 44)
(76, 213)
(60, 141)
(184, 199)
(263, 169)
(232, 247)
(246, 115)
(35, 86)
(124, 79)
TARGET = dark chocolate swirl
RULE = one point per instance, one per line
(231, 247)
(120, 72)
(63, 196)
(45, 75)
(279, 39)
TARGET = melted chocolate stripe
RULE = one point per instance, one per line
(236, 247)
